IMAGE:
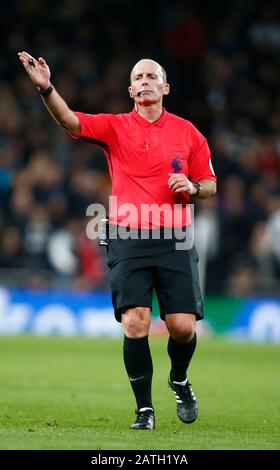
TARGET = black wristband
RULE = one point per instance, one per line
(46, 92)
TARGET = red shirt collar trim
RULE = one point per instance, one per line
(160, 122)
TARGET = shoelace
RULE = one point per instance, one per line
(185, 392)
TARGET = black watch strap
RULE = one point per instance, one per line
(46, 91)
(198, 187)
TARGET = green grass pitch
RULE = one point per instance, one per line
(58, 393)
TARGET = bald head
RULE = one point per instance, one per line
(151, 64)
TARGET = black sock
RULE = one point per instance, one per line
(139, 367)
(180, 355)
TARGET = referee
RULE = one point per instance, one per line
(155, 159)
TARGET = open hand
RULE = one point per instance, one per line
(37, 70)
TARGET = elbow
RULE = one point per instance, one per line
(64, 125)
(210, 190)
(74, 130)
(214, 190)
(71, 123)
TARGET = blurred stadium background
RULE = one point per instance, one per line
(222, 61)
(223, 64)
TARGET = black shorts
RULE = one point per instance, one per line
(136, 272)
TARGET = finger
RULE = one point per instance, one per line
(31, 62)
(179, 185)
(180, 190)
(173, 178)
(177, 176)
(24, 62)
(22, 56)
(42, 61)
(172, 186)
(173, 181)
(27, 60)
(26, 55)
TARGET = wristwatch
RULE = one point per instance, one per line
(198, 187)
(46, 92)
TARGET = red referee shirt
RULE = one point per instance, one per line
(140, 155)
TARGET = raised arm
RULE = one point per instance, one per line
(40, 75)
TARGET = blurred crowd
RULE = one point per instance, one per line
(223, 65)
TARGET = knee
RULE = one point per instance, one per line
(182, 330)
(136, 322)
(183, 335)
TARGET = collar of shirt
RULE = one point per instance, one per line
(160, 122)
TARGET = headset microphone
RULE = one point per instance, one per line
(136, 94)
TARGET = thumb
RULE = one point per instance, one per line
(41, 61)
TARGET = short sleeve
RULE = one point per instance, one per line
(200, 165)
(95, 128)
